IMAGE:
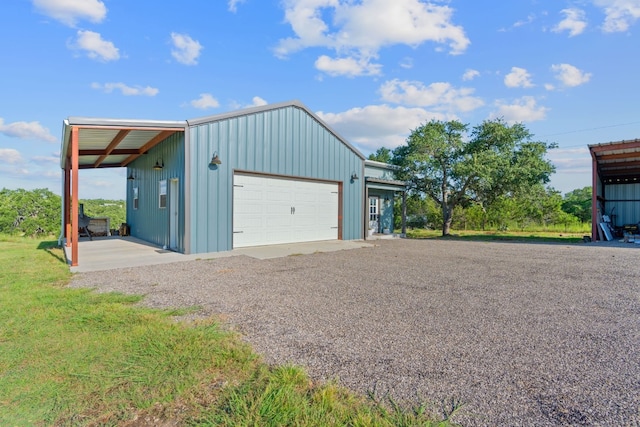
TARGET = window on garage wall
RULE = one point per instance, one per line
(163, 194)
(135, 197)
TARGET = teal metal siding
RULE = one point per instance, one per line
(623, 203)
(286, 141)
(149, 222)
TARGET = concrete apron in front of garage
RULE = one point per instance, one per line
(108, 253)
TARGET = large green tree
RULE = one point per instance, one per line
(497, 159)
(578, 203)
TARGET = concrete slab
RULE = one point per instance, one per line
(108, 253)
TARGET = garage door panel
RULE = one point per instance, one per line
(275, 210)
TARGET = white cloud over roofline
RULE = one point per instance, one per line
(440, 96)
(185, 49)
(69, 12)
(205, 101)
(26, 130)
(375, 126)
(358, 30)
(125, 89)
(95, 46)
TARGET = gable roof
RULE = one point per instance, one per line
(271, 107)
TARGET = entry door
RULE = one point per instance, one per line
(268, 210)
(173, 214)
(374, 214)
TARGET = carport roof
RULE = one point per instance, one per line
(617, 162)
(105, 143)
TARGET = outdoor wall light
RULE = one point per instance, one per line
(159, 165)
(354, 176)
(215, 160)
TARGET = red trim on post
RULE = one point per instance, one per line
(74, 196)
(66, 207)
(594, 197)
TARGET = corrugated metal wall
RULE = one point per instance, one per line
(623, 201)
(378, 172)
(150, 222)
(285, 141)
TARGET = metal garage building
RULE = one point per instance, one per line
(259, 176)
(615, 185)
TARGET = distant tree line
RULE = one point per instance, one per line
(38, 212)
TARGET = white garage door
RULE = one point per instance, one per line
(269, 211)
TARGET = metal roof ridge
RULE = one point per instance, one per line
(269, 107)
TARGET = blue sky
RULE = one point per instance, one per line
(372, 69)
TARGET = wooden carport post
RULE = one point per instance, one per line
(67, 195)
(74, 196)
(594, 197)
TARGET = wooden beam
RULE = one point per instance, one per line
(112, 145)
(116, 152)
(149, 145)
(619, 165)
(633, 155)
(74, 196)
(102, 166)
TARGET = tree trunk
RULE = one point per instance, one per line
(447, 219)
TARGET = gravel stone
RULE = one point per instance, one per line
(521, 334)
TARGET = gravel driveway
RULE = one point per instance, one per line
(522, 334)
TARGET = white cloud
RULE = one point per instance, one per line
(440, 96)
(358, 30)
(46, 160)
(258, 102)
(26, 130)
(375, 126)
(569, 75)
(125, 89)
(205, 101)
(574, 21)
(10, 156)
(620, 14)
(407, 63)
(524, 109)
(70, 11)
(233, 5)
(185, 49)
(95, 47)
(470, 74)
(518, 77)
(350, 67)
(571, 160)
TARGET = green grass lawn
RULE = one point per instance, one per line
(76, 357)
(509, 236)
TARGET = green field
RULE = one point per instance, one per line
(510, 236)
(75, 357)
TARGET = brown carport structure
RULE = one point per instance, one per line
(102, 143)
(613, 163)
